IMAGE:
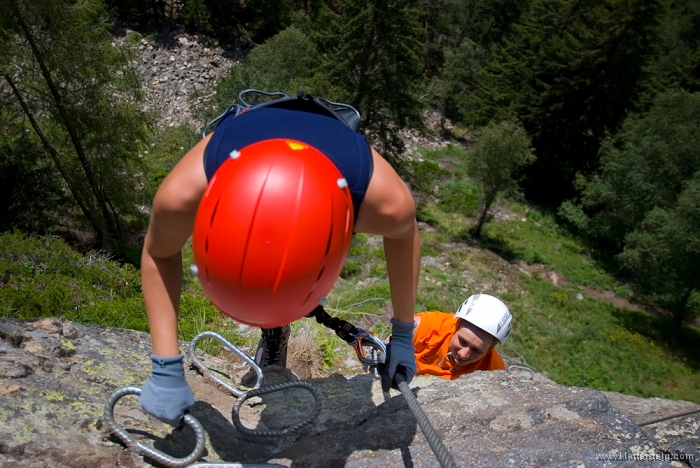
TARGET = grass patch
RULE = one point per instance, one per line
(454, 225)
(536, 238)
(591, 343)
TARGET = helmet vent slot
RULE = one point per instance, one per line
(213, 213)
(307, 298)
(330, 240)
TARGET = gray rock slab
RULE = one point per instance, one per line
(55, 377)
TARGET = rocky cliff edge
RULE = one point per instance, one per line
(56, 375)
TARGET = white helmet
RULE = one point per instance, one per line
(487, 313)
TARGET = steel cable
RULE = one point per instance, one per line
(673, 416)
(441, 453)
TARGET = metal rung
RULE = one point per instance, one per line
(145, 450)
(236, 465)
(205, 370)
(532, 372)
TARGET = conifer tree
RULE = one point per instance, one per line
(460, 36)
(677, 61)
(77, 95)
(377, 60)
(571, 71)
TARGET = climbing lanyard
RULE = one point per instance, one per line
(359, 338)
(356, 337)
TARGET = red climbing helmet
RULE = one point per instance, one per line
(272, 232)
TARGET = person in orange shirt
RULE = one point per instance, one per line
(450, 345)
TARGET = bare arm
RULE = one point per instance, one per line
(172, 218)
(388, 209)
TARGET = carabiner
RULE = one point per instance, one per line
(365, 338)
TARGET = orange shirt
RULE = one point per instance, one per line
(431, 339)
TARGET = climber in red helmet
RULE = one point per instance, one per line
(271, 198)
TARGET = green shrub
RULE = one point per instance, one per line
(423, 176)
(459, 196)
(43, 276)
(43, 295)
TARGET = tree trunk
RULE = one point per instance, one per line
(360, 93)
(679, 315)
(63, 114)
(482, 218)
(74, 188)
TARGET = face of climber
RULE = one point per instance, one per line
(470, 343)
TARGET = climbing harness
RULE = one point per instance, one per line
(338, 110)
(196, 426)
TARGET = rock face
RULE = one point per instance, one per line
(55, 377)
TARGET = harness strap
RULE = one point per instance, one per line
(303, 101)
(344, 329)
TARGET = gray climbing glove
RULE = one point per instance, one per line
(166, 394)
(400, 355)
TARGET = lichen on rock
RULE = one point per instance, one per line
(52, 407)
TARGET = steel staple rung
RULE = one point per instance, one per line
(191, 355)
(145, 450)
(236, 465)
(271, 389)
(257, 390)
(532, 372)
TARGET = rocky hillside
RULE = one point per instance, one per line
(174, 68)
(56, 376)
(180, 69)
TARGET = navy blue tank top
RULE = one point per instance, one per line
(349, 151)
